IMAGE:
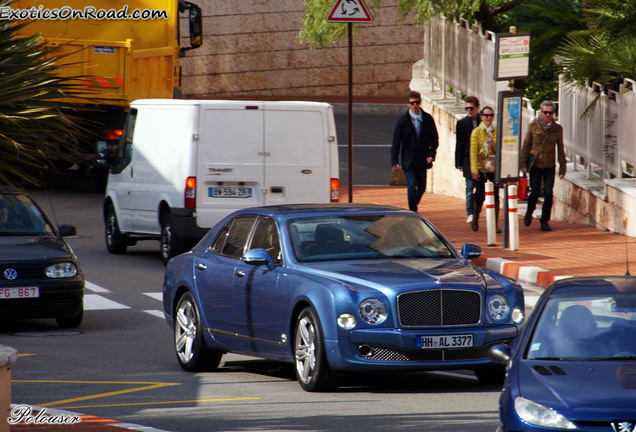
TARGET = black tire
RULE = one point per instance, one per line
(170, 245)
(116, 242)
(491, 376)
(192, 353)
(72, 321)
(312, 370)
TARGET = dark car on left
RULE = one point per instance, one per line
(40, 276)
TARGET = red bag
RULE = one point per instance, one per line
(523, 189)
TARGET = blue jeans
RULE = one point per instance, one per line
(415, 187)
(536, 175)
(470, 185)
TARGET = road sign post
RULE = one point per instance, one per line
(350, 11)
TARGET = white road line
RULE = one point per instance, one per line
(97, 302)
(95, 288)
(155, 295)
(156, 313)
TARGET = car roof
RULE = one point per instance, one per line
(594, 285)
(293, 211)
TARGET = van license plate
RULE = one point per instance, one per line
(230, 192)
(22, 292)
(447, 341)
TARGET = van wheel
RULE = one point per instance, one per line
(170, 245)
(116, 242)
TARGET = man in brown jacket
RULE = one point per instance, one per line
(543, 142)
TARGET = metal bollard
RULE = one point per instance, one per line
(513, 219)
(491, 223)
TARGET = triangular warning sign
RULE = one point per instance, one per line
(349, 11)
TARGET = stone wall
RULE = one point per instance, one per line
(251, 49)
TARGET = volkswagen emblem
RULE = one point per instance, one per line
(623, 426)
(10, 273)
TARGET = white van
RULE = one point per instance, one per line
(182, 165)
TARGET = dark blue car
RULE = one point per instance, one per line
(574, 367)
(336, 288)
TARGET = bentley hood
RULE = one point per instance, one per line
(403, 274)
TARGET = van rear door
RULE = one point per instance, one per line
(230, 163)
(297, 156)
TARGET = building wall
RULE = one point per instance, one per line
(251, 49)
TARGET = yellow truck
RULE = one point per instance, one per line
(124, 50)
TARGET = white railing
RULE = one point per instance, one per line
(600, 139)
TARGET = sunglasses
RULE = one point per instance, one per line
(548, 112)
(488, 115)
(469, 108)
(415, 102)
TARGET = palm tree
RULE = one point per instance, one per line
(605, 51)
(33, 125)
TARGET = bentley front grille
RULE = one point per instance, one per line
(434, 308)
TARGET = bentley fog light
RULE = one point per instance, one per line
(539, 415)
(498, 307)
(517, 315)
(61, 270)
(373, 311)
(346, 321)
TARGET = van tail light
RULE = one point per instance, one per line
(190, 194)
(335, 190)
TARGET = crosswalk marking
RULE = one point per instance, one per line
(97, 301)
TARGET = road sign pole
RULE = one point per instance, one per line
(350, 114)
(350, 11)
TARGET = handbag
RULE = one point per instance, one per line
(489, 164)
(398, 178)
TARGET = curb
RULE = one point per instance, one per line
(520, 272)
(60, 420)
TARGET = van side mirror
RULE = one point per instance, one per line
(195, 21)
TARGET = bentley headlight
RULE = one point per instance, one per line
(498, 307)
(539, 415)
(373, 311)
(61, 270)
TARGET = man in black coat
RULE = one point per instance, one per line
(415, 139)
(463, 130)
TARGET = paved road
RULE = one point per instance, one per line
(120, 364)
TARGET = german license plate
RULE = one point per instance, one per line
(230, 192)
(22, 292)
(446, 341)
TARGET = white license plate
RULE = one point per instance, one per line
(230, 192)
(447, 341)
(22, 292)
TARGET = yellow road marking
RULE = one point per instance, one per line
(146, 386)
(161, 403)
(25, 355)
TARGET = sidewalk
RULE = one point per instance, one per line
(567, 250)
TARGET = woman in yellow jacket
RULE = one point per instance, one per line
(483, 148)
